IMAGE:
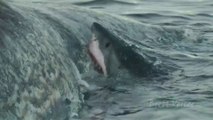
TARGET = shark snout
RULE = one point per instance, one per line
(97, 56)
(101, 52)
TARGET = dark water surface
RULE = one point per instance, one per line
(185, 94)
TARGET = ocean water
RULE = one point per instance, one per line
(185, 93)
